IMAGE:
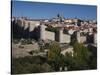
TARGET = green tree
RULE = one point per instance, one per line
(54, 51)
(54, 55)
(93, 58)
(81, 55)
(30, 64)
(80, 51)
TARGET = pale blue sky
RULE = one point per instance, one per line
(39, 10)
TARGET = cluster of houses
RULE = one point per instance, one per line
(84, 30)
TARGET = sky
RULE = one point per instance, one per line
(40, 10)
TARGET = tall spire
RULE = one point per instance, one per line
(58, 15)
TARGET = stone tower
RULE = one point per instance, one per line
(42, 32)
(95, 38)
(78, 36)
(59, 35)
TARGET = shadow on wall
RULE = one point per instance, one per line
(19, 32)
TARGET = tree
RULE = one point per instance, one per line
(52, 29)
(54, 55)
(81, 56)
(30, 64)
(93, 58)
(80, 51)
(54, 51)
(46, 67)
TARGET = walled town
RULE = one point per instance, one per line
(38, 37)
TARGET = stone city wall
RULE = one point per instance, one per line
(49, 35)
